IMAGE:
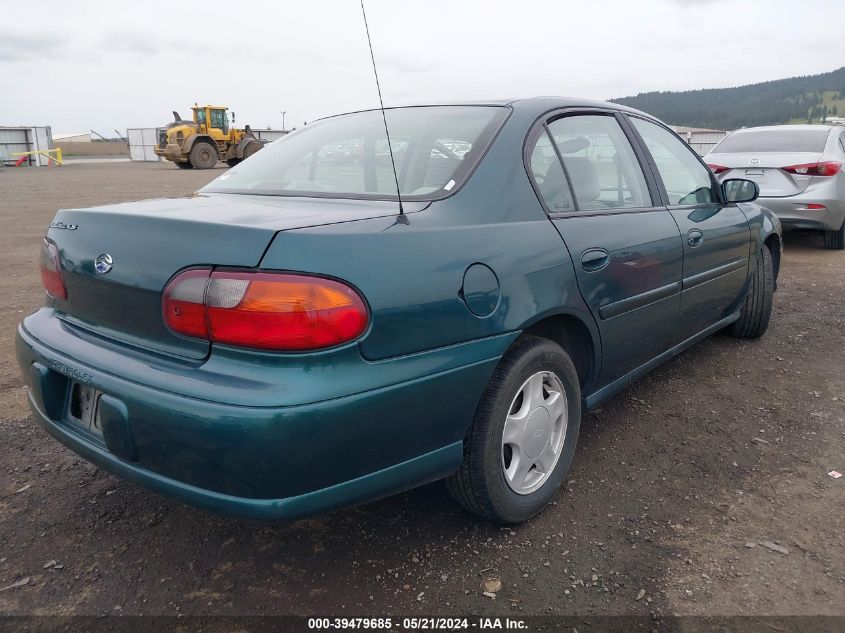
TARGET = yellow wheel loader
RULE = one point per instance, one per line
(200, 143)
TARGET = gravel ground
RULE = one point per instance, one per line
(702, 489)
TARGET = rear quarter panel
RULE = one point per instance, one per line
(412, 276)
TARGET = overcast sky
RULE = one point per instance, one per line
(105, 65)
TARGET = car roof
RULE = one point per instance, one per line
(535, 106)
(543, 104)
(772, 128)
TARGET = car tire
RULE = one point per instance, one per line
(490, 483)
(835, 240)
(203, 155)
(757, 309)
(184, 165)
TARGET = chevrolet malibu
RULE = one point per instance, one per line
(313, 329)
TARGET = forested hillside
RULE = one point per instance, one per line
(794, 100)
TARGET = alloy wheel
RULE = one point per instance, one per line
(534, 431)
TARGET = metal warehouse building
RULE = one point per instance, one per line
(24, 139)
(702, 140)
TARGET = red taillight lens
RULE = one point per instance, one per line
(184, 303)
(718, 169)
(272, 311)
(830, 168)
(51, 270)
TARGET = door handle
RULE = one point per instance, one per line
(594, 259)
(695, 237)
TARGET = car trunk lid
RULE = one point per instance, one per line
(766, 169)
(150, 241)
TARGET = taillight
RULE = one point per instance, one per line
(718, 169)
(260, 310)
(184, 303)
(829, 168)
(51, 270)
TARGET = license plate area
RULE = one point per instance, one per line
(82, 408)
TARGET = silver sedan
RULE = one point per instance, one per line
(799, 169)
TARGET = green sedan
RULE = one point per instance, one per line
(317, 328)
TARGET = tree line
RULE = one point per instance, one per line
(767, 103)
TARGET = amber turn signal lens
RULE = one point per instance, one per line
(260, 310)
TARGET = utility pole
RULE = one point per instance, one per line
(284, 112)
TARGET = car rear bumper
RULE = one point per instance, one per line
(794, 214)
(265, 462)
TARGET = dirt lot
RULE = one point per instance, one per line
(726, 446)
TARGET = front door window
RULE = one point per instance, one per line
(685, 177)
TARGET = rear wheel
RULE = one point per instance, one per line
(184, 165)
(757, 309)
(835, 240)
(233, 161)
(522, 440)
(203, 155)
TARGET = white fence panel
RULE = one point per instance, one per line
(12, 140)
(142, 142)
(25, 139)
(136, 143)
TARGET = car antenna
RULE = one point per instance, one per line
(402, 217)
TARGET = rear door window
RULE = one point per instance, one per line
(686, 179)
(548, 174)
(773, 141)
(600, 162)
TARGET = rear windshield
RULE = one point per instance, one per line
(774, 141)
(435, 149)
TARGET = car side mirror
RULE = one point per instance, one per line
(740, 190)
